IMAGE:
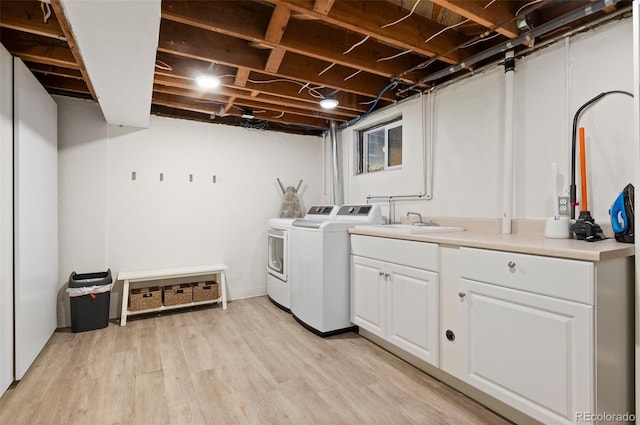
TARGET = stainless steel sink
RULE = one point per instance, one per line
(410, 228)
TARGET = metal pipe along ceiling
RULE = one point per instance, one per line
(536, 32)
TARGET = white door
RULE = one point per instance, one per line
(413, 311)
(531, 351)
(36, 216)
(368, 294)
(6, 219)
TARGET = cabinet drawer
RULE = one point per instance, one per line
(556, 277)
(420, 255)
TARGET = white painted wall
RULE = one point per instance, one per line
(108, 220)
(36, 216)
(82, 200)
(551, 84)
(408, 179)
(6, 219)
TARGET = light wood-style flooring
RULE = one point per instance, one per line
(251, 364)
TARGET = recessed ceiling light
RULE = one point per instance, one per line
(208, 81)
(328, 103)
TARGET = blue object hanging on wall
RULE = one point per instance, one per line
(622, 215)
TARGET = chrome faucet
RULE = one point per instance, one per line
(420, 221)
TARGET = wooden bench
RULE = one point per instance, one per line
(134, 277)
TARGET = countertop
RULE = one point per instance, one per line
(522, 243)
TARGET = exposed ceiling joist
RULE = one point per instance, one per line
(277, 58)
(490, 14)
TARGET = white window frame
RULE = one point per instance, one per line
(364, 152)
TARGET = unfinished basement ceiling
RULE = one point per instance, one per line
(276, 59)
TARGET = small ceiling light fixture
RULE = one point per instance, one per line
(247, 114)
(208, 80)
(328, 103)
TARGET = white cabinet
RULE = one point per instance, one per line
(533, 337)
(413, 313)
(393, 301)
(528, 333)
(530, 351)
(368, 287)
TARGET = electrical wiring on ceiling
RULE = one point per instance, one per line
(489, 4)
(403, 18)
(371, 108)
(394, 56)
(46, 11)
(280, 115)
(353, 75)
(483, 37)
(357, 44)
(525, 6)
(434, 59)
(313, 91)
(215, 102)
(252, 124)
(446, 29)
(163, 65)
(327, 68)
(368, 102)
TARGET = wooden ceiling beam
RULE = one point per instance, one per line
(26, 16)
(275, 59)
(495, 15)
(241, 77)
(63, 83)
(66, 29)
(323, 6)
(253, 104)
(277, 24)
(368, 17)
(196, 43)
(278, 88)
(279, 102)
(187, 104)
(54, 70)
(275, 31)
(39, 49)
(307, 38)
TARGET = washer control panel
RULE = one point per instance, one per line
(321, 209)
(355, 210)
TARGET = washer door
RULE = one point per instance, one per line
(277, 253)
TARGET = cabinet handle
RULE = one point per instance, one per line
(511, 264)
(386, 275)
(381, 273)
(461, 294)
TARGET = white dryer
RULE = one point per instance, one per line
(319, 269)
(278, 253)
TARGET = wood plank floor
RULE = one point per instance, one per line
(251, 364)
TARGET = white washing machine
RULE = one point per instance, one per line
(319, 269)
(278, 253)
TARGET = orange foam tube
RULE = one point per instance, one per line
(583, 171)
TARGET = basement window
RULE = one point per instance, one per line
(379, 148)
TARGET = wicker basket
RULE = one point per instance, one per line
(205, 291)
(145, 298)
(178, 294)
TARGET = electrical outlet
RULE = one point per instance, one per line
(563, 205)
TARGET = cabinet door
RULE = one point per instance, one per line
(413, 311)
(367, 294)
(531, 351)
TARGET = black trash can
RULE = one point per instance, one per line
(90, 294)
